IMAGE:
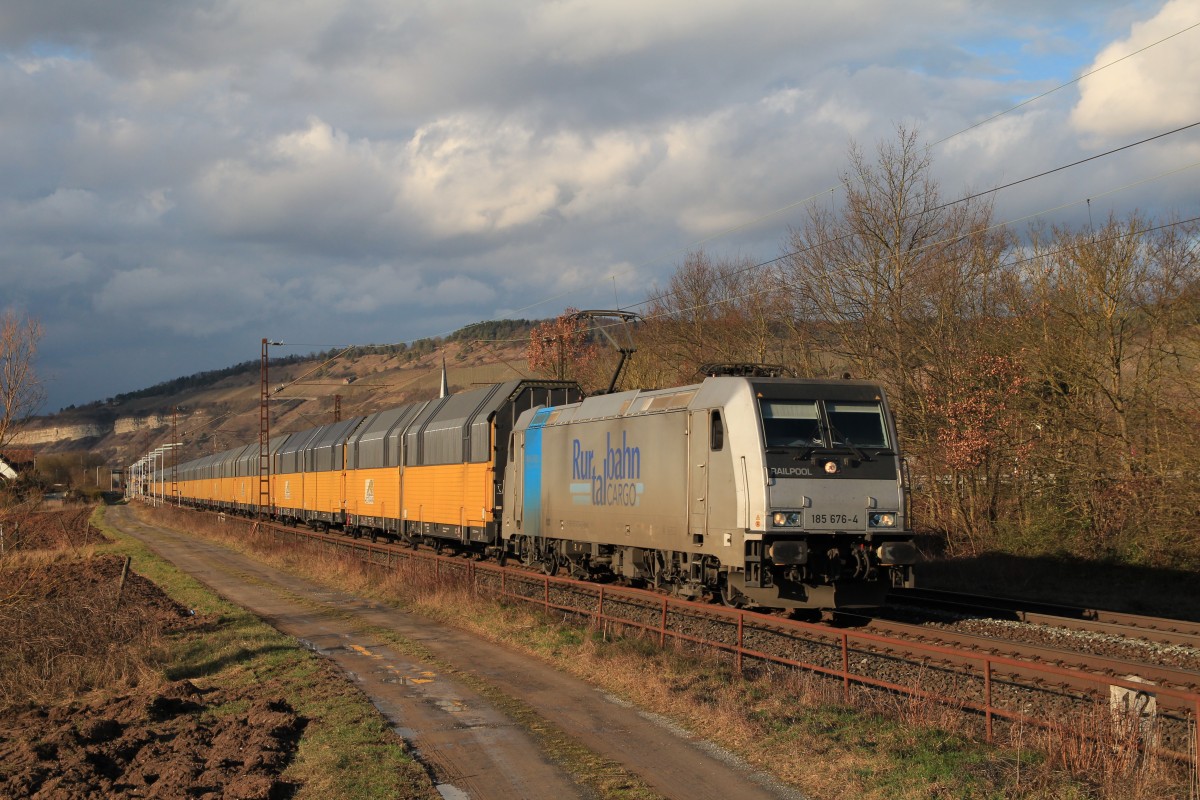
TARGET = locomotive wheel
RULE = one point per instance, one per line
(653, 571)
(731, 597)
(550, 563)
(525, 551)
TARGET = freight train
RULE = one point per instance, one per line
(760, 492)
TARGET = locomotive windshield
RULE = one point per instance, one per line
(860, 424)
(791, 423)
(799, 423)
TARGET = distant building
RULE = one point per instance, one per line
(14, 462)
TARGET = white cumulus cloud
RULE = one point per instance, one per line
(1151, 91)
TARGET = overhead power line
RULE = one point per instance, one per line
(1071, 82)
(829, 190)
(1016, 262)
(977, 195)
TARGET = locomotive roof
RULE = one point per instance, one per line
(713, 392)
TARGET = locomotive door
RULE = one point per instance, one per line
(513, 483)
(698, 450)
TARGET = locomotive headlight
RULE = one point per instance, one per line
(882, 519)
(786, 519)
(898, 553)
(831, 467)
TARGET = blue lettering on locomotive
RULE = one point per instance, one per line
(614, 480)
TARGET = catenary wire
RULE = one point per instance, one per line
(758, 220)
(936, 243)
(833, 189)
(979, 194)
(956, 201)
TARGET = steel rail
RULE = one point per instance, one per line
(1104, 666)
(1161, 630)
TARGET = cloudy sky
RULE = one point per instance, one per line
(180, 179)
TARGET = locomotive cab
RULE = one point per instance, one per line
(834, 531)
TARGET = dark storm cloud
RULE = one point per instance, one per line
(189, 177)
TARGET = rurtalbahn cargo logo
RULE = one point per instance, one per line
(614, 480)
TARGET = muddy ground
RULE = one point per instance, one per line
(164, 743)
(55, 530)
(85, 714)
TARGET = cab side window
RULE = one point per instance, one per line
(717, 432)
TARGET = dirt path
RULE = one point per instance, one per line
(472, 749)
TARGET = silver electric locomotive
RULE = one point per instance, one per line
(768, 492)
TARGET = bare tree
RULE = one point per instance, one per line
(721, 310)
(20, 390)
(905, 288)
(1111, 335)
(895, 270)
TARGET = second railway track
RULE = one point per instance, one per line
(1159, 630)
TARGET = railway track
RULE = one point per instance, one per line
(999, 678)
(1159, 630)
(1067, 656)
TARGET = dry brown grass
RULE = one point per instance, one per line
(63, 631)
(1115, 755)
(792, 723)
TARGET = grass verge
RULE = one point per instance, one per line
(347, 749)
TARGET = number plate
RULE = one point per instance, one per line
(823, 521)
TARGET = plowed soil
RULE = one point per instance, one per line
(166, 743)
(132, 735)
